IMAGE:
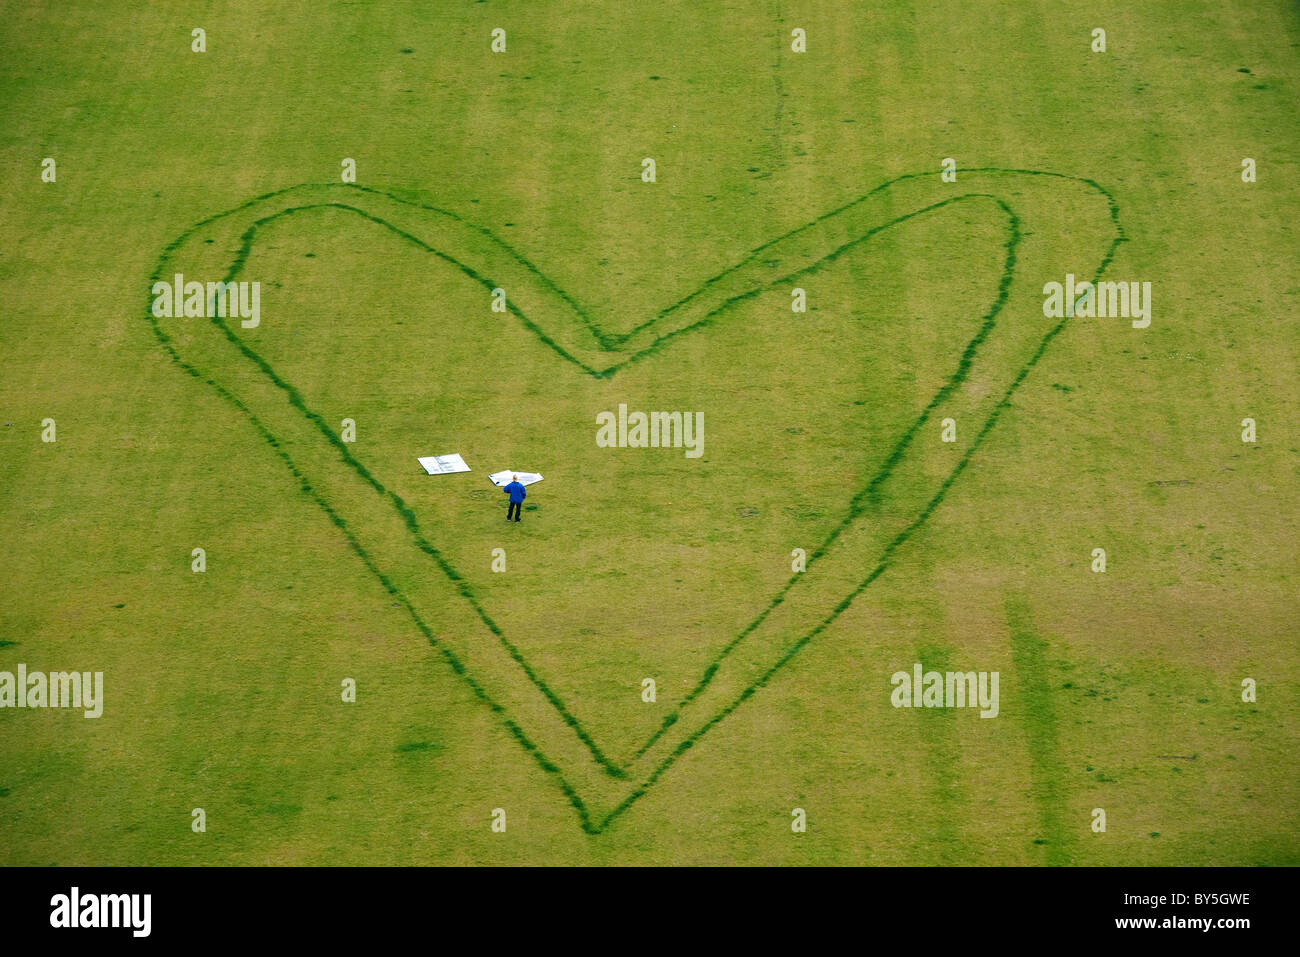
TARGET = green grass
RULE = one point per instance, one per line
(521, 690)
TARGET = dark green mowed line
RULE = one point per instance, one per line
(1037, 716)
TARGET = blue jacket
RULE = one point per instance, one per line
(515, 491)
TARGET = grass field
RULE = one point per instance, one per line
(522, 690)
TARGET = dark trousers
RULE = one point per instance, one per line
(514, 510)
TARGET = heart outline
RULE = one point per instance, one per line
(603, 341)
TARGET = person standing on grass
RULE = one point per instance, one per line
(517, 496)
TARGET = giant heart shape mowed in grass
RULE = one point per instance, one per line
(386, 534)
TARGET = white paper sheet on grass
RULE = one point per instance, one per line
(502, 479)
(443, 464)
